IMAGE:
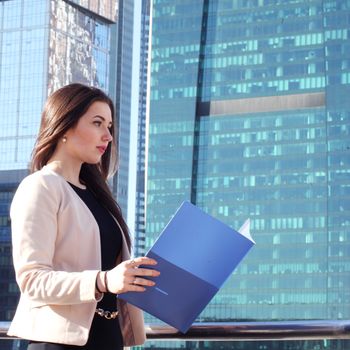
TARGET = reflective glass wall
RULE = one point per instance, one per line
(79, 43)
(249, 117)
(23, 40)
(44, 45)
(104, 8)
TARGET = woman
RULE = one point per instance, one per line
(71, 247)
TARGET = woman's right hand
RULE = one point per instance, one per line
(129, 277)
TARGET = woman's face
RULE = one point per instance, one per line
(88, 140)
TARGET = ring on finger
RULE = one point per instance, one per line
(134, 281)
(133, 262)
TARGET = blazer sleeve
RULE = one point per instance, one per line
(34, 212)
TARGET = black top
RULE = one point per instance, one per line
(104, 334)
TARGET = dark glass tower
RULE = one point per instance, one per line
(123, 100)
(142, 122)
(249, 117)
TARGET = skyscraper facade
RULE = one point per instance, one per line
(43, 46)
(142, 129)
(123, 99)
(249, 117)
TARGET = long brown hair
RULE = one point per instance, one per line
(62, 111)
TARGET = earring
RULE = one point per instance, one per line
(64, 139)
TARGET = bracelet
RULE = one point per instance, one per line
(96, 284)
(109, 315)
(106, 284)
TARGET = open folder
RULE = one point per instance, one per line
(196, 253)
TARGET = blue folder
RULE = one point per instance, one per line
(196, 253)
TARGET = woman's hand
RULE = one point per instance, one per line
(129, 277)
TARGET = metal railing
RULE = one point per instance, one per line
(244, 331)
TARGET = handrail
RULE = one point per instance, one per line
(244, 331)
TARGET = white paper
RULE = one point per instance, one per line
(245, 230)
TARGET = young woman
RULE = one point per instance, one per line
(71, 246)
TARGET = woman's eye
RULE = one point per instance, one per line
(97, 123)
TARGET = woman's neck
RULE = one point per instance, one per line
(69, 171)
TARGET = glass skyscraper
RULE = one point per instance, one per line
(142, 127)
(250, 117)
(123, 99)
(43, 46)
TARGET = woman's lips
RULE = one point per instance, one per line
(102, 149)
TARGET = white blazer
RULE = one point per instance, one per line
(57, 255)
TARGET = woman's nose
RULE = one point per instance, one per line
(107, 136)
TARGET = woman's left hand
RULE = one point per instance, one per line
(129, 277)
